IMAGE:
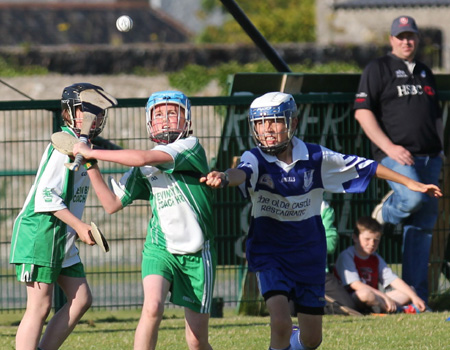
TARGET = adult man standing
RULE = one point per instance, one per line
(397, 107)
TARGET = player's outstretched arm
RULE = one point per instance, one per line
(110, 202)
(388, 174)
(127, 157)
(230, 177)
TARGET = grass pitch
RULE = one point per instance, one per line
(115, 330)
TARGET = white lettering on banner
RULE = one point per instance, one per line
(330, 122)
(306, 119)
(344, 218)
(239, 248)
(330, 126)
(445, 107)
(232, 128)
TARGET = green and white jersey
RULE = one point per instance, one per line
(38, 237)
(182, 206)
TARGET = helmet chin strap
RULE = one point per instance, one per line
(274, 150)
(167, 137)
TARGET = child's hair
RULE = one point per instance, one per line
(366, 223)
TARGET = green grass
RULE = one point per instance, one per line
(115, 330)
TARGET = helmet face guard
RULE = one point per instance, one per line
(89, 98)
(168, 134)
(272, 106)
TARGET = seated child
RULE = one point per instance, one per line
(361, 270)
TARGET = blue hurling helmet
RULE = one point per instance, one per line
(168, 135)
(273, 105)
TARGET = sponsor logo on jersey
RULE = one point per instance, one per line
(279, 208)
(169, 197)
(266, 180)
(47, 194)
(81, 194)
(366, 274)
(429, 90)
(308, 180)
(401, 73)
(189, 300)
(408, 89)
(288, 179)
(360, 97)
(423, 74)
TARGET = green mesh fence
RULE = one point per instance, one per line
(221, 125)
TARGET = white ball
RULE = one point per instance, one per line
(124, 23)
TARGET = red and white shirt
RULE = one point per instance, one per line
(371, 270)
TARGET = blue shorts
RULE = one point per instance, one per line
(308, 298)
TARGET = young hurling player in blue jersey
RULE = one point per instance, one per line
(286, 246)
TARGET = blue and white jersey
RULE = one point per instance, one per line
(286, 229)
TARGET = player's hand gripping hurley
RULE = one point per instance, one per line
(99, 238)
(88, 119)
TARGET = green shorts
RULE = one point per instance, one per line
(191, 276)
(45, 274)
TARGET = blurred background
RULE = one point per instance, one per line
(193, 45)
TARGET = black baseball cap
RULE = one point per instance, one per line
(403, 24)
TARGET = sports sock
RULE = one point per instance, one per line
(288, 348)
(296, 343)
(295, 340)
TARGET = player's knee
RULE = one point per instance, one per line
(197, 343)
(366, 296)
(44, 310)
(307, 341)
(311, 345)
(197, 338)
(82, 301)
(412, 203)
(152, 309)
(281, 327)
(88, 301)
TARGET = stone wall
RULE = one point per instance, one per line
(108, 59)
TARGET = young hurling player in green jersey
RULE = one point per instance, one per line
(43, 241)
(179, 253)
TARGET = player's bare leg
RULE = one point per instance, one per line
(310, 330)
(156, 289)
(197, 330)
(79, 300)
(367, 297)
(280, 321)
(39, 302)
(399, 297)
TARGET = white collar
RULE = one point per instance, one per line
(299, 152)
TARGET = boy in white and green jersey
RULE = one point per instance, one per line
(179, 254)
(55, 188)
(44, 233)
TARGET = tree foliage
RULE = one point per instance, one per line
(279, 21)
